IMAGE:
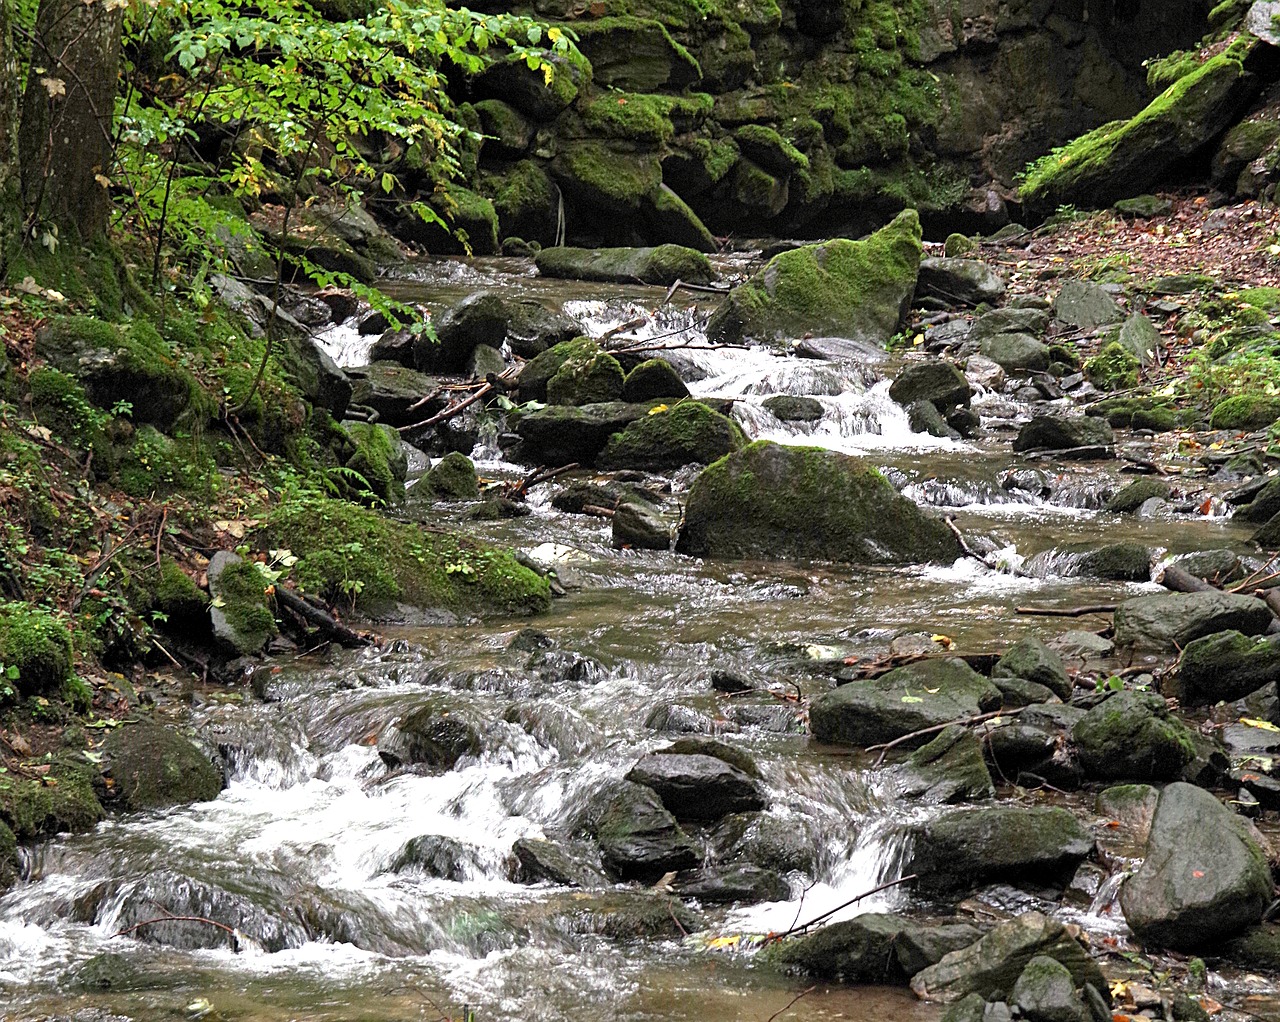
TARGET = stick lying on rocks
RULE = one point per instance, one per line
(325, 623)
(1100, 608)
(978, 661)
(902, 739)
(1179, 580)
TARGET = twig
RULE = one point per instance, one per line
(595, 511)
(176, 919)
(622, 328)
(1101, 608)
(968, 551)
(903, 739)
(326, 623)
(844, 905)
(791, 1003)
(451, 411)
(426, 399)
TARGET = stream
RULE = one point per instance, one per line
(358, 893)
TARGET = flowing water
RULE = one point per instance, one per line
(348, 891)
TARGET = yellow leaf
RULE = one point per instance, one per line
(1262, 725)
(554, 34)
(657, 409)
(724, 942)
(944, 640)
(54, 86)
(103, 180)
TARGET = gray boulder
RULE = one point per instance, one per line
(1169, 621)
(949, 769)
(1085, 306)
(993, 964)
(663, 265)
(960, 281)
(1015, 352)
(1033, 322)
(546, 861)
(1046, 992)
(1030, 659)
(639, 527)
(431, 735)
(791, 408)
(965, 848)
(940, 383)
(906, 699)
(1204, 878)
(560, 434)
(1139, 337)
(1129, 498)
(1061, 433)
(698, 787)
(1224, 667)
(1132, 736)
(639, 839)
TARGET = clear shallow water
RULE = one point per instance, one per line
(301, 854)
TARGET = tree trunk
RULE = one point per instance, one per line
(10, 189)
(65, 139)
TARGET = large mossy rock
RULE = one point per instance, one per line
(965, 848)
(806, 502)
(1046, 992)
(1203, 879)
(855, 289)
(1125, 158)
(453, 477)
(154, 767)
(668, 438)
(1224, 667)
(1169, 621)
(951, 768)
(38, 646)
(380, 457)
(993, 964)
(906, 699)
(560, 434)
(605, 181)
(241, 613)
(876, 948)
(1132, 736)
(589, 376)
(663, 265)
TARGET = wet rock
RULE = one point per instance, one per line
(540, 861)
(1132, 807)
(558, 435)
(1131, 497)
(1224, 667)
(663, 265)
(1015, 353)
(581, 494)
(1131, 736)
(485, 361)
(1170, 621)
(906, 699)
(949, 769)
(1216, 566)
(751, 504)
(617, 915)
(960, 281)
(553, 725)
(668, 438)
(1078, 644)
(154, 767)
(532, 328)
(985, 373)
(679, 719)
(1020, 692)
(1046, 992)
(795, 409)
(1085, 306)
(1139, 337)
(1060, 433)
(638, 527)
(654, 380)
(435, 855)
(1117, 562)
(1204, 878)
(781, 842)
(640, 840)
(726, 885)
(876, 948)
(1014, 320)
(965, 848)
(993, 964)
(924, 417)
(1029, 658)
(698, 787)
(730, 682)
(1265, 504)
(855, 289)
(717, 750)
(453, 477)
(391, 390)
(964, 421)
(480, 319)
(430, 735)
(394, 346)
(242, 619)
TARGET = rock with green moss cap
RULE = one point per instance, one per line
(940, 383)
(470, 223)
(533, 92)
(1129, 498)
(960, 246)
(178, 597)
(1117, 562)
(1115, 367)
(1224, 667)
(1143, 207)
(1245, 411)
(795, 408)
(1203, 880)
(453, 477)
(1131, 736)
(673, 220)
(662, 265)
(397, 571)
(855, 289)
(509, 134)
(588, 376)
(766, 148)
(60, 801)
(525, 200)
(154, 767)
(1124, 158)
(37, 645)
(605, 179)
(380, 459)
(949, 769)
(654, 380)
(635, 54)
(561, 434)
(806, 502)
(1031, 659)
(669, 438)
(241, 613)
(538, 371)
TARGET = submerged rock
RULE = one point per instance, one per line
(431, 735)
(855, 289)
(906, 699)
(965, 848)
(1203, 880)
(732, 884)
(806, 502)
(538, 860)
(1170, 621)
(637, 526)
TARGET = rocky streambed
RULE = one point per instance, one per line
(607, 813)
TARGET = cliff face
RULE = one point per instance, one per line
(761, 117)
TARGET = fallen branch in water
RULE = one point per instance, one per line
(830, 912)
(326, 623)
(1179, 580)
(595, 511)
(964, 546)
(449, 412)
(178, 919)
(538, 476)
(1101, 608)
(903, 739)
(791, 1003)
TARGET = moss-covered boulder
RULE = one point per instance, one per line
(355, 556)
(587, 376)
(539, 370)
(806, 502)
(1131, 736)
(662, 265)
(940, 383)
(605, 180)
(61, 801)
(905, 700)
(1169, 621)
(525, 201)
(177, 597)
(855, 289)
(453, 477)
(1132, 496)
(1113, 368)
(380, 459)
(636, 54)
(534, 93)
(1063, 433)
(654, 380)
(35, 644)
(1245, 411)
(951, 768)
(1030, 659)
(673, 220)
(470, 223)
(243, 618)
(154, 767)
(670, 437)
(1223, 667)
(560, 434)
(1125, 158)
(509, 133)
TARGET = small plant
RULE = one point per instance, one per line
(9, 675)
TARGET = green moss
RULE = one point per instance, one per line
(242, 591)
(617, 180)
(453, 478)
(157, 464)
(689, 432)
(472, 220)
(38, 645)
(586, 377)
(1245, 411)
(525, 200)
(1164, 71)
(62, 801)
(960, 246)
(647, 119)
(176, 595)
(1113, 368)
(350, 553)
(769, 149)
(62, 405)
(380, 459)
(1265, 298)
(538, 372)
(717, 155)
